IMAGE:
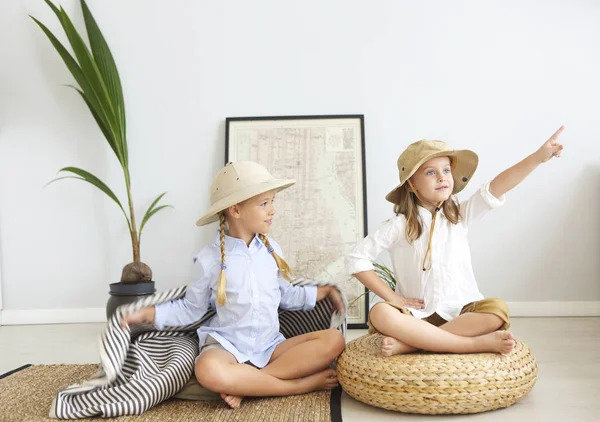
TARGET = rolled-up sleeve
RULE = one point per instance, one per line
(297, 298)
(191, 307)
(362, 256)
(480, 203)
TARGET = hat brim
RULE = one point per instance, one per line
(240, 196)
(466, 164)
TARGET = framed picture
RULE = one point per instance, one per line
(324, 214)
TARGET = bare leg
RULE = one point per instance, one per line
(422, 335)
(467, 325)
(294, 361)
(306, 354)
(473, 324)
(218, 371)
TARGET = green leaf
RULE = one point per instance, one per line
(358, 297)
(53, 7)
(106, 131)
(94, 77)
(152, 210)
(75, 71)
(65, 55)
(88, 77)
(158, 198)
(108, 69)
(90, 178)
(149, 214)
(386, 275)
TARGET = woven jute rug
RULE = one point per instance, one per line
(26, 394)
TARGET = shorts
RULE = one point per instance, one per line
(495, 306)
(209, 344)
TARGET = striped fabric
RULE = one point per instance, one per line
(142, 367)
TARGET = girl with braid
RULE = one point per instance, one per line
(243, 276)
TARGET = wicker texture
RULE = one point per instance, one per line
(433, 383)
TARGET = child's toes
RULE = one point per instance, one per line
(230, 400)
(508, 346)
(332, 383)
(234, 401)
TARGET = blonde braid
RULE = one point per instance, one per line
(221, 296)
(284, 268)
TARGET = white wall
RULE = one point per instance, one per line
(498, 78)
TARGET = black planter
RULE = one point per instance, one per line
(122, 293)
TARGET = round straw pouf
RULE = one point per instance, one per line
(435, 383)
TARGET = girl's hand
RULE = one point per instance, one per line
(511, 177)
(336, 300)
(408, 302)
(333, 295)
(142, 316)
(551, 148)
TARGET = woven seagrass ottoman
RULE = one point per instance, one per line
(435, 383)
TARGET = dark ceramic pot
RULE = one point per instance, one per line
(122, 293)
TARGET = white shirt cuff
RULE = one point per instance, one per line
(490, 199)
(354, 266)
(159, 315)
(311, 298)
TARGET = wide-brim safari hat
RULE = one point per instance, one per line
(237, 182)
(464, 164)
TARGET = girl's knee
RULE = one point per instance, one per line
(335, 341)
(377, 314)
(492, 321)
(377, 310)
(382, 315)
(499, 322)
(211, 375)
(382, 310)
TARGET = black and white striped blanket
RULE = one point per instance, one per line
(143, 367)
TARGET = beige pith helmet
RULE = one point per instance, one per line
(464, 164)
(237, 182)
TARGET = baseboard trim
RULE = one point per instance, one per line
(555, 309)
(90, 315)
(52, 316)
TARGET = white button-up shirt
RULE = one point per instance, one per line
(450, 283)
(247, 325)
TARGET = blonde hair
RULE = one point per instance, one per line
(407, 206)
(284, 268)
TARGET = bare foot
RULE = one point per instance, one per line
(233, 401)
(391, 347)
(502, 342)
(324, 380)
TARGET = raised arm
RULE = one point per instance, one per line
(511, 177)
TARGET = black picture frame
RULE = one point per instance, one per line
(232, 130)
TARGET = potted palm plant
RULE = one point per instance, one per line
(96, 75)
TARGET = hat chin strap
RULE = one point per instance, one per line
(428, 253)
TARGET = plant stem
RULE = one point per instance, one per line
(135, 242)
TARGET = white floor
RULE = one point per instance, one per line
(567, 350)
